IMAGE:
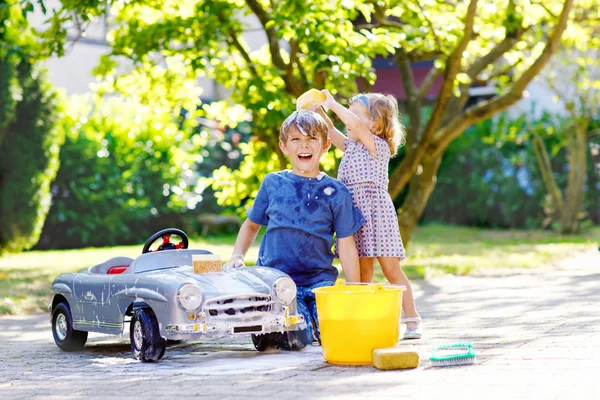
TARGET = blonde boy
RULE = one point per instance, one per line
(302, 208)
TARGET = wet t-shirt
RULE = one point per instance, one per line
(301, 215)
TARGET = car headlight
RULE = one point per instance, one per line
(285, 290)
(190, 297)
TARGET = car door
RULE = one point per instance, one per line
(94, 307)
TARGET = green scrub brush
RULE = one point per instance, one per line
(448, 355)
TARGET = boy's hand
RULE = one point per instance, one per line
(236, 261)
(329, 100)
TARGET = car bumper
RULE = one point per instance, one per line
(204, 326)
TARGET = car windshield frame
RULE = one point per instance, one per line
(164, 260)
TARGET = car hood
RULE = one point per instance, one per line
(231, 282)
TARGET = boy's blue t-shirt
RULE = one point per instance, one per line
(301, 215)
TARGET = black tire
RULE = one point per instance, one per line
(295, 340)
(65, 337)
(266, 341)
(146, 343)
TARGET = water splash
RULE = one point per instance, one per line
(329, 191)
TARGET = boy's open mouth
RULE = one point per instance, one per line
(304, 156)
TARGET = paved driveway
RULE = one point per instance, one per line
(537, 333)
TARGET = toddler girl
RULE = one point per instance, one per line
(374, 134)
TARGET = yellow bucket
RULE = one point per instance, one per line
(355, 319)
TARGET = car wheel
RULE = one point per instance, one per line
(266, 341)
(146, 342)
(65, 337)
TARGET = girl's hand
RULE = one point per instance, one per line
(315, 108)
(329, 100)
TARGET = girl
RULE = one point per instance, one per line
(374, 134)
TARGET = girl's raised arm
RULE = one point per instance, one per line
(357, 130)
(336, 137)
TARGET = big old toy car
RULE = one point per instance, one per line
(162, 298)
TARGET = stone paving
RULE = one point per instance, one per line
(536, 332)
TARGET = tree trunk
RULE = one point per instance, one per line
(545, 166)
(419, 190)
(577, 161)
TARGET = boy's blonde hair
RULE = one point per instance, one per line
(306, 122)
(384, 113)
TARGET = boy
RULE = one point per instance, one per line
(302, 209)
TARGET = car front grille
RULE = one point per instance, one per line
(248, 307)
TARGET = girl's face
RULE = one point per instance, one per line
(304, 152)
(359, 109)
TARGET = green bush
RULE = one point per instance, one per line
(490, 178)
(126, 171)
(592, 199)
(29, 147)
(222, 149)
(483, 185)
(29, 142)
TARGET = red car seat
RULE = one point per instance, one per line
(116, 270)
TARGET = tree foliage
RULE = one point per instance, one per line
(126, 170)
(491, 175)
(175, 43)
(324, 43)
(574, 79)
(29, 140)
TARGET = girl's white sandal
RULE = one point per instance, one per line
(413, 333)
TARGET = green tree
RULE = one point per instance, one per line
(504, 44)
(29, 140)
(581, 95)
(320, 43)
(307, 47)
(125, 171)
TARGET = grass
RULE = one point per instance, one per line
(25, 278)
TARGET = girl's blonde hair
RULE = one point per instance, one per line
(384, 113)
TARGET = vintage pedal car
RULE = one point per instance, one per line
(162, 298)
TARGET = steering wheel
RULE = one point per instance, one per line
(166, 244)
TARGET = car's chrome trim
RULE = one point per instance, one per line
(250, 316)
(96, 323)
(269, 324)
(248, 306)
(62, 288)
(236, 296)
(141, 293)
(138, 336)
(239, 304)
(61, 326)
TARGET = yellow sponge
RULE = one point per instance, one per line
(309, 99)
(395, 358)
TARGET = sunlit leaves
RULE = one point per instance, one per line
(171, 88)
(234, 188)
(325, 43)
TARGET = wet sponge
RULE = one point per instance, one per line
(309, 99)
(395, 358)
